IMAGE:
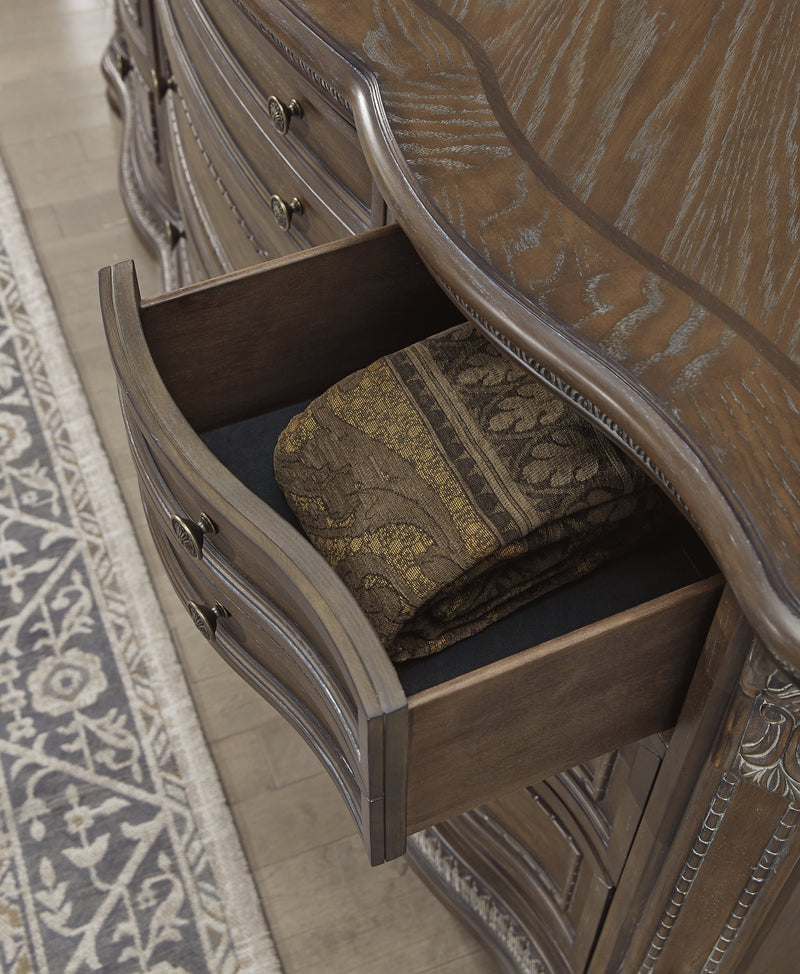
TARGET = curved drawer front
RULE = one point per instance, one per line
(132, 27)
(260, 639)
(268, 651)
(268, 77)
(253, 199)
(233, 203)
(261, 628)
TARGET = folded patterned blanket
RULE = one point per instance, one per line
(448, 487)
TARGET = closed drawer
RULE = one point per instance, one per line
(134, 27)
(227, 144)
(259, 66)
(421, 748)
(231, 202)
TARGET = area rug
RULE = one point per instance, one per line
(117, 850)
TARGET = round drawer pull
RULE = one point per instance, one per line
(173, 233)
(161, 85)
(282, 211)
(123, 65)
(190, 534)
(281, 115)
(205, 618)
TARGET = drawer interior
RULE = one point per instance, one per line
(245, 448)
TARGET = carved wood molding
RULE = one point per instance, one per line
(759, 875)
(437, 859)
(139, 210)
(295, 58)
(691, 867)
(188, 182)
(769, 751)
(767, 756)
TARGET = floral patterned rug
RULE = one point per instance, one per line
(117, 851)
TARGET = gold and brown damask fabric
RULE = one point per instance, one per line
(448, 487)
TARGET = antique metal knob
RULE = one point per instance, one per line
(282, 211)
(205, 618)
(123, 65)
(173, 232)
(190, 533)
(161, 85)
(281, 114)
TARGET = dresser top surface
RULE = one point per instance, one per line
(613, 187)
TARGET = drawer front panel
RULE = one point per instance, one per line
(261, 643)
(207, 256)
(230, 200)
(253, 62)
(265, 645)
(244, 170)
(133, 27)
(257, 625)
(224, 235)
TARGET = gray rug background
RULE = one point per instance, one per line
(117, 850)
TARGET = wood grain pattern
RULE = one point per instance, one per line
(614, 187)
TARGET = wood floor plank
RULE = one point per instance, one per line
(364, 944)
(242, 763)
(280, 824)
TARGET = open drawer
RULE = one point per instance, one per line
(208, 376)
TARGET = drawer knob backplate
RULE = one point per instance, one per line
(205, 618)
(190, 533)
(281, 115)
(282, 211)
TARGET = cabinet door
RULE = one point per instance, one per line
(534, 871)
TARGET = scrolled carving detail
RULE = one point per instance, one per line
(769, 751)
(767, 756)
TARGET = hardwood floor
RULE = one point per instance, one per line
(329, 911)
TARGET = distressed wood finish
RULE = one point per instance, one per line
(630, 672)
(709, 883)
(132, 56)
(613, 187)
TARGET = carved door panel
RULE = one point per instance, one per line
(535, 870)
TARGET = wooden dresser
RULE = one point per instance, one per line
(609, 190)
